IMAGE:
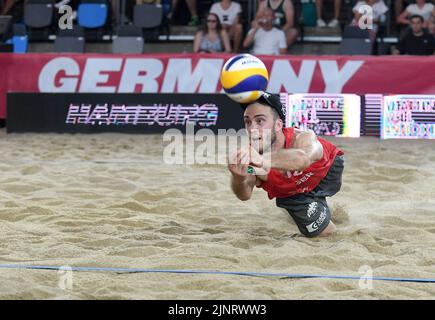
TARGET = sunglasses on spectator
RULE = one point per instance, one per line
(211, 20)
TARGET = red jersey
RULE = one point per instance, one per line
(282, 185)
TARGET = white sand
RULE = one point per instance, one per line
(59, 207)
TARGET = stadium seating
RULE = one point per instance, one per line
(356, 41)
(6, 47)
(70, 40)
(19, 38)
(128, 39)
(95, 16)
(38, 17)
(38, 13)
(148, 17)
(5, 26)
(92, 13)
(92, 16)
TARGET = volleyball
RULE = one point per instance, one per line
(244, 78)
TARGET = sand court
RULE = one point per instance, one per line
(108, 200)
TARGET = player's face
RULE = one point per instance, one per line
(260, 125)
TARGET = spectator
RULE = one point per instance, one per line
(229, 15)
(379, 10)
(139, 2)
(191, 5)
(416, 42)
(421, 8)
(284, 13)
(265, 37)
(432, 26)
(334, 22)
(398, 6)
(212, 37)
(14, 8)
(7, 6)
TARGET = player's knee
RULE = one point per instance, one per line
(320, 227)
(329, 230)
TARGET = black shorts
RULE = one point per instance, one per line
(310, 210)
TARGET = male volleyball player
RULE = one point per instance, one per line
(297, 168)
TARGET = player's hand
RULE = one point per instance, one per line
(258, 162)
(238, 163)
(255, 159)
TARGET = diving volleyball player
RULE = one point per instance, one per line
(296, 167)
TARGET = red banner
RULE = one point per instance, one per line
(190, 73)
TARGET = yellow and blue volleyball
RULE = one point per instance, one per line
(244, 78)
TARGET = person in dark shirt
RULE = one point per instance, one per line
(417, 41)
(14, 8)
(431, 27)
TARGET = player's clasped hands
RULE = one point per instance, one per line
(238, 163)
(245, 162)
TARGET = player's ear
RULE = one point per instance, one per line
(278, 125)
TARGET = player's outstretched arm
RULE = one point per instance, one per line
(306, 150)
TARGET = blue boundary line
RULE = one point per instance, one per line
(215, 272)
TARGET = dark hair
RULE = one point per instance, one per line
(275, 113)
(416, 16)
(204, 27)
(273, 102)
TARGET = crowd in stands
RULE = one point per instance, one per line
(212, 37)
(275, 26)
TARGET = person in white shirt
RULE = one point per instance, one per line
(284, 15)
(229, 15)
(265, 38)
(379, 9)
(421, 8)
